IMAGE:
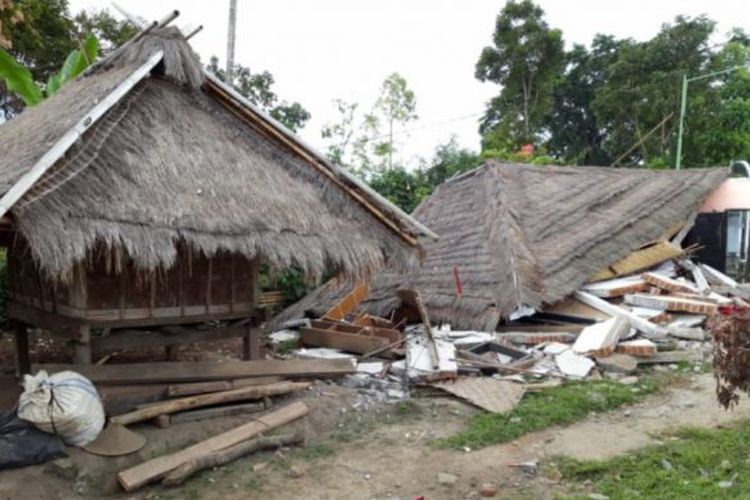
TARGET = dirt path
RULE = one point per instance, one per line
(396, 461)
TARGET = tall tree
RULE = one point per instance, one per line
(575, 135)
(341, 132)
(643, 87)
(395, 105)
(257, 88)
(525, 60)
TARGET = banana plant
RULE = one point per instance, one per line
(18, 79)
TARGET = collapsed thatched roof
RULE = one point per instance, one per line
(521, 235)
(180, 157)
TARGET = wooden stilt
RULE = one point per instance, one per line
(82, 346)
(251, 343)
(23, 363)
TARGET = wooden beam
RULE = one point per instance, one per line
(202, 371)
(219, 458)
(350, 301)
(215, 398)
(219, 412)
(647, 328)
(154, 469)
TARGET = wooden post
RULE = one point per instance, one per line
(23, 363)
(83, 346)
(251, 342)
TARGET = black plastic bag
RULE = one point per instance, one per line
(23, 444)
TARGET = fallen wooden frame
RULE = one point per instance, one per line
(218, 412)
(152, 470)
(350, 337)
(177, 405)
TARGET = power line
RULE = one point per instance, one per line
(426, 126)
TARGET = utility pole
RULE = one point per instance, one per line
(230, 41)
(683, 107)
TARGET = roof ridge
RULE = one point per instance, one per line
(497, 192)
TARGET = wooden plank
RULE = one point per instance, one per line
(154, 469)
(615, 287)
(643, 325)
(671, 303)
(61, 325)
(176, 405)
(219, 412)
(203, 371)
(346, 305)
(178, 390)
(668, 284)
(191, 389)
(350, 342)
(639, 260)
(219, 458)
(390, 334)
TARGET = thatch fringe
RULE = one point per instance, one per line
(167, 166)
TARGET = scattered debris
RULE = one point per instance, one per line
(618, 362)
(573, 365)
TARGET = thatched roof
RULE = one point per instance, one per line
(522, 235)
(181, 157)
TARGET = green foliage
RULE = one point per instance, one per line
(45, 37)
(111, 32)
(257, 88)
(556, 406)
(700, 459)
(18, 80)
(525, 60)
(408, 188)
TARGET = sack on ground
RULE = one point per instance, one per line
(64, 403)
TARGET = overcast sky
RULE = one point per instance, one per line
(319, 50)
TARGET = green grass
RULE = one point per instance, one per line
(555, 406)
(700, 459)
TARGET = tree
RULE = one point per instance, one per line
(396, 105)
(41, 34)
(340, 132)
(575, 135)
(525, 60)
(110, 31)
(257, 88)
(642, 89)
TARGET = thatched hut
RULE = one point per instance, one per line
(146, 192)
(515, 237)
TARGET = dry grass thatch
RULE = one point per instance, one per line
(527, 235)
(169, 164)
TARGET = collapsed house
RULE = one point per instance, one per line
(517, 238)
(142, 198)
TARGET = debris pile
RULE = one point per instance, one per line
(645, 310)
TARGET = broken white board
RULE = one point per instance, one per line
(322, 353)
(555, 348)
(686, 320)
(496, 396)
(281, 336)
(420, 361)
(573, 365)
(370, 367)
(717, 277)
(600, 338)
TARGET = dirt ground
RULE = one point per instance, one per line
(383, 452)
